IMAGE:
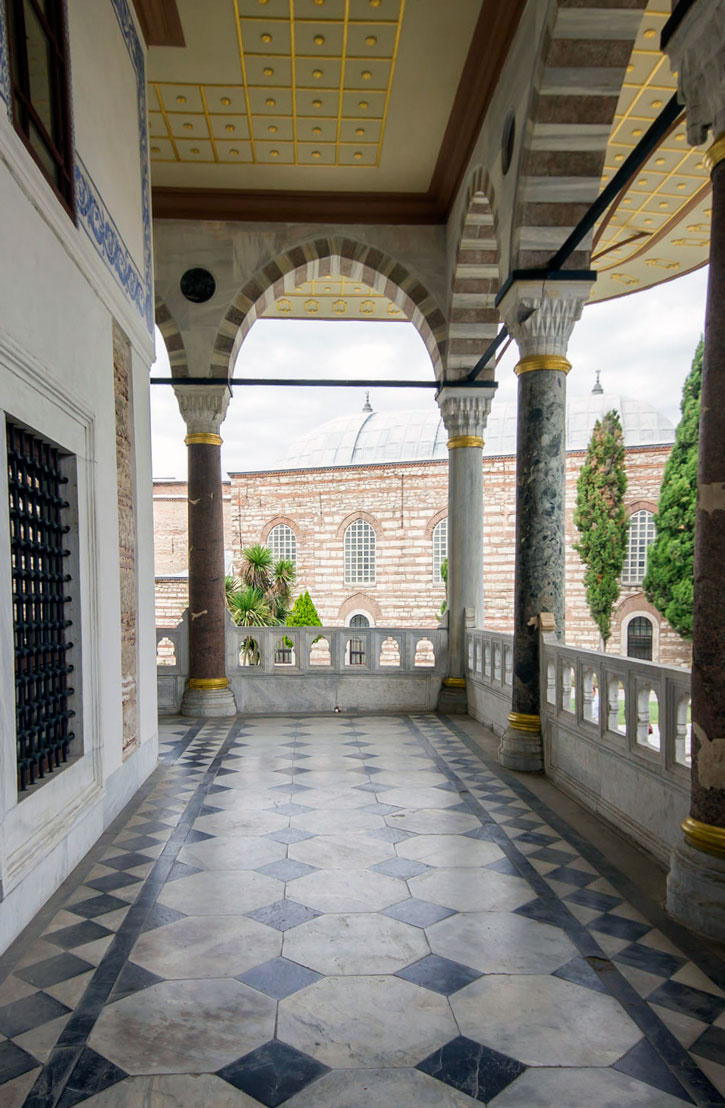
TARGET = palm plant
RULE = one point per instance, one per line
(257, 567)
(262, 595)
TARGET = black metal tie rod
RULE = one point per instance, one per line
(310, 382)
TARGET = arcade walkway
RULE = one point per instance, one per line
(353, 912)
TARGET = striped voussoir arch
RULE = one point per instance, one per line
(172, 339)
(474, 318)
(582, 66)
(330, 257)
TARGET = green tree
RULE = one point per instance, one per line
(601, 519)
(304, 613)
(444, 575)
(262, 594)
(670, 563)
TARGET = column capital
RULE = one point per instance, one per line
(695, 45)
(464, 412)
(203, 407)
(540, 314)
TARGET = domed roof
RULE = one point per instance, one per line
(372, 437)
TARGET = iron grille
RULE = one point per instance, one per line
(40, 604)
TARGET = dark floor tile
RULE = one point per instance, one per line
(379, 809)
(488, 832)
(551, 854)
(568, 875)
(643, 1063)
(289, 835)
(283, 915)
(688, 1001)
(14, 1062)
(544, 911)
(273, 1073)
(181, 869)
(286, 869)
(279, 978)
(151, 826)
(91, 1074)
(525, 823)
(400, 867)
(441, 975)
(77, 934)
(159, 916)
(650, 960)
(289, 788)
(31, 1011)
(138, 842)
(195, 836)
(291, 809)
(111, 881)
(539, 838)
(621, 928)
(219, 789)
(588, 898)
(390, 834)
(97, 906)
(53, 970)
(580, 972)
(711, 1045)
(471, 1068)
(126, 861)
(421, 913)
(132, 979)
(503, 865)
(372, 787)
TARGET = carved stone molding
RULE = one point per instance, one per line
(203, 409)
(696, 49)
(464, 411)
(541, 315)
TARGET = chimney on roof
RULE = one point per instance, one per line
(367, 406)
(597, 385)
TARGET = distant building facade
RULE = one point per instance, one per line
(360, 506)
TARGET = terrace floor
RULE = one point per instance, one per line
(356, 912)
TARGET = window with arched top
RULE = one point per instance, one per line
(359, 553)
(359, 620)
(440, 549)
(282, 542)
(639, 638)
(641, 537)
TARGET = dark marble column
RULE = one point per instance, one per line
(541, 317)
(693, 39)
(207, 692)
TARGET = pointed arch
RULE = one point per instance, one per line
(173, 341)
(474, 317)
(330, 257)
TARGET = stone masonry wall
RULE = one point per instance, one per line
(402, 501)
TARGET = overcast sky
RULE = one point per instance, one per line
(642, 343)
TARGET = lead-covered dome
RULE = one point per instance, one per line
(369, 437)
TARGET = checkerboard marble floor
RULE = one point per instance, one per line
(352, 912)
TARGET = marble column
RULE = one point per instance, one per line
(464, 412)
(696, 883)
(207, 690)
(540, 316)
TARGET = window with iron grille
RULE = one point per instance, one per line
(282, 542)
(38, 513)
(639, 638)
(440, 550)
(641, 537)
(359, 550)
(39, 76)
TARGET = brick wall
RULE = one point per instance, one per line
(402, 501)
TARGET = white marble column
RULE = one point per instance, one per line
(207, 690)
(694, 39)
(540, 316)
(464, 412)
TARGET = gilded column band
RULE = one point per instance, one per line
(716, 153)
(200, 437)
(704, 836)
(533, 362)
(520, 721)
(464, 440)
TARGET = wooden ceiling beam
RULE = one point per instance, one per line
(160, 22)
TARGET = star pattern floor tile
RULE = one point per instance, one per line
(360, 909)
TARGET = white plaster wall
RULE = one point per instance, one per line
(105, 130)
(57, 305)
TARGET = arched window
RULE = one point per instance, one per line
(641, 537)
(359, 549)
(359, 620)
(440, 549)
(282, 541)
(639, 638)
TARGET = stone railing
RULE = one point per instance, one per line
(489, 668)
(286, 669)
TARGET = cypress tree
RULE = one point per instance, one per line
(670, 563)
(304, 612)
(601, 519)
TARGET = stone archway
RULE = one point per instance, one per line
(173, 341)
(326, 257)
(582, 66)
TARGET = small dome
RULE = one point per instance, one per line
(369, 438)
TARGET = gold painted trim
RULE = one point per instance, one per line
(716, 153)
(705, 837)
(519, 721)
(201, 437)
(464, 440)
(542, 361)
(208, 682)
(454, 682)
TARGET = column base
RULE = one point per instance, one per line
(452, 698)
(522, 749)
(696, 890)
(208, 700)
